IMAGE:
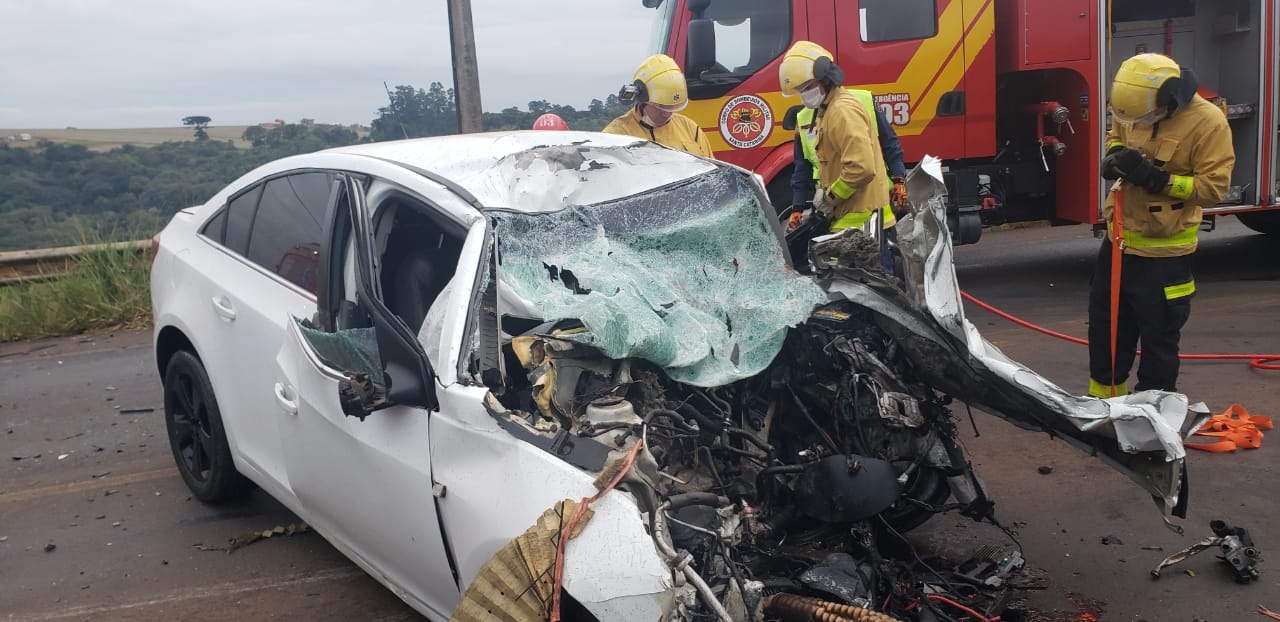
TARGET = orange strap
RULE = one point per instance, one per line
(1235, 428)
(1117, 258)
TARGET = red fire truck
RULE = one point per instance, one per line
(1011, 94)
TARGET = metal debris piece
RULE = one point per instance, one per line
(250, 537)
(48, 548)
(1109, 540)
(135, 411)
(101, 475)
(990, 566)
(1045, 470)
(1198, 547)
(1236, 550)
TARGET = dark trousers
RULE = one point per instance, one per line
(1149, 313)
(889, 253)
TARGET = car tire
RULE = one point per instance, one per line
(1262, 222)
(196, 435)
(928, 486)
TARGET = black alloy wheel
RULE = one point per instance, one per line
(196, 435)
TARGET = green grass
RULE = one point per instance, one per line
(108, 289)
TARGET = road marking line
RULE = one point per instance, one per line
(187, 594)
(67, 488)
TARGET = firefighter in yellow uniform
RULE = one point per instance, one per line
(660, 93)
(852, 180)
(1172, 152)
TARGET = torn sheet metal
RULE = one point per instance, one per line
(691, 277)
(1140, 434)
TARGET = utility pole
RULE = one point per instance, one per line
(466, 75)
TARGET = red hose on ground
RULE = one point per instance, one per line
(1256, 361)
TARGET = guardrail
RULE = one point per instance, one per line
(50, 263)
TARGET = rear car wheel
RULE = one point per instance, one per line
(1262, 222)
(196, 435)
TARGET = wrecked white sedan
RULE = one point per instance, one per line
(574, 375)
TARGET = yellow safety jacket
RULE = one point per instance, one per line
(850, 164)
(1194, 146)
(808, 137)
(680, 132)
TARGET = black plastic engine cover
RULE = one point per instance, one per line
(847, 488)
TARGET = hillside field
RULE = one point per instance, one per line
(106, 139)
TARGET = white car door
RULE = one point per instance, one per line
(364, 481)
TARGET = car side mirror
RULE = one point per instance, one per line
(360, 396)
(701, 53)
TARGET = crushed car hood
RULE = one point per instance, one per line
(1139, 434)
(690, 277)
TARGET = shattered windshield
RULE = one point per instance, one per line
(690, 277)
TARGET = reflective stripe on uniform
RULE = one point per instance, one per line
(1181, 290)
(841, 189)
(1113, 144)
(1097, 389)
(857, 219)
(1134, 239)
(1180, 186)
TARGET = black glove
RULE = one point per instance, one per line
(1110, 171)
(1130, 164)
(1122, 162)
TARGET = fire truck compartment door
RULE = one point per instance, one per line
(1057, 31)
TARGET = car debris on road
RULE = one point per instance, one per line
(1235, 547)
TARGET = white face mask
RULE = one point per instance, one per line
(812, 97)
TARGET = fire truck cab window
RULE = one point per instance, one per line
(897, 20)
(749, 34)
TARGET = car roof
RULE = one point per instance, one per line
(538, 171)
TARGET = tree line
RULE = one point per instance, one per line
(56, 194)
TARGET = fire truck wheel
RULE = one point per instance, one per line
(1262, 222)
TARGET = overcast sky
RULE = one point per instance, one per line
(148, 63)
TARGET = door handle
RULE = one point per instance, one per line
(282, 398)
(222, 306)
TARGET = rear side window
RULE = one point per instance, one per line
(288, 226)
(897, 20)
(216, 228)
(240, 213)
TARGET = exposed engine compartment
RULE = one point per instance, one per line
(782, 483)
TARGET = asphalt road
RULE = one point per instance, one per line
(81, 472)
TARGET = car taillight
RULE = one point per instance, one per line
(155, 248)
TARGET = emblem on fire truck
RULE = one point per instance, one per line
(745, 121)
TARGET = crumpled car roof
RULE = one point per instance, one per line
(541, 171)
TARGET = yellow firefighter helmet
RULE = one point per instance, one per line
(1140, 91)
(660, 82)
(806, 61)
